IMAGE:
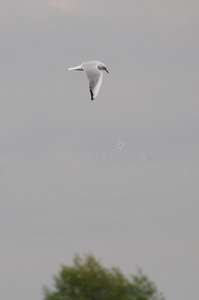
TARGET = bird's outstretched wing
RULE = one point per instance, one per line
(95, 80)
(78, 68)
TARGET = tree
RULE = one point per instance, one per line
(87, 279)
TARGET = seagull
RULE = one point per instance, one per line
(94, 75)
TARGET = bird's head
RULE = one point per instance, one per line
(103, 67)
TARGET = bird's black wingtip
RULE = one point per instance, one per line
(92, 95)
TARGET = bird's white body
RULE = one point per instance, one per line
(94, 75)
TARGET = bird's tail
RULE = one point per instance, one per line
(78, 68)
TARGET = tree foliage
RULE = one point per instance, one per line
(87, 279)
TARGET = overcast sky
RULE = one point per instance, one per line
(116, 177)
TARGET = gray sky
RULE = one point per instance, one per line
(66, 186)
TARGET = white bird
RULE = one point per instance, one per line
(92, 70)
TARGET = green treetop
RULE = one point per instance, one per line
(87, 279)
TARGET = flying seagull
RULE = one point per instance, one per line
(92, 69)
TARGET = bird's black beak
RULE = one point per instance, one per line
(107, 70)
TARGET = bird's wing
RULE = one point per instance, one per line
(95, 80)
(78, 68)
